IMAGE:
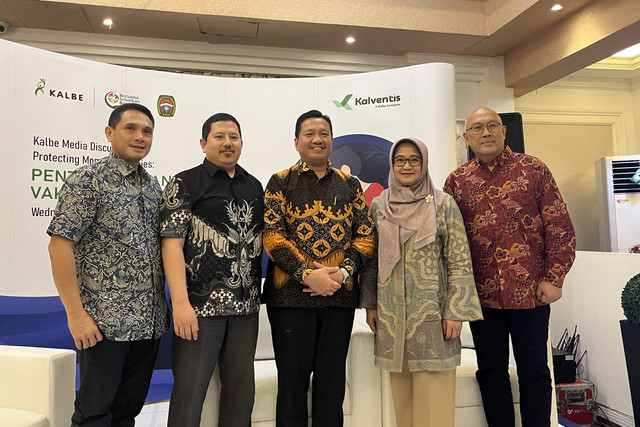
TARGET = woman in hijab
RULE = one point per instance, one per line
(425, 289)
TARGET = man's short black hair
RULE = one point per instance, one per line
(312, 114)
(218, 117)
(116, 114)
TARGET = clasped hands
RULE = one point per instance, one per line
(323, 280)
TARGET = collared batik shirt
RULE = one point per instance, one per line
(518, 227)
(309, 219)
(110, 211)
(220, 219)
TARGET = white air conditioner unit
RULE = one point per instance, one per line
(618, 197)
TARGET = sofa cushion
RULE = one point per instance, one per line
(264, 408)
(38, 380)
(21, 418)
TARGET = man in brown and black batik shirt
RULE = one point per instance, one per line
(318, 234)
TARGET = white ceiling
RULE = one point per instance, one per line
(382, 27)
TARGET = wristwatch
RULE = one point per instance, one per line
(346, 276)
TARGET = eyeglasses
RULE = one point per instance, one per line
(401, 161)
(491, 127)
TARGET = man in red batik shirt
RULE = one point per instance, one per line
(522, 246)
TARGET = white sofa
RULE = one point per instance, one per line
(469, 411)
(368, 401)
(362, 392)
(37, 386)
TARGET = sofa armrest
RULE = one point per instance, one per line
(39, 380)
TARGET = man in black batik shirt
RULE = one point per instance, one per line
(211, 226)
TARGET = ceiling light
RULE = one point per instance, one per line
(556, 7)
(350, 39)
(108, 22)
(630, 52)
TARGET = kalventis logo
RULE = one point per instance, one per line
(345, 102)
(390, 100)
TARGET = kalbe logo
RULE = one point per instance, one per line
(55, 93)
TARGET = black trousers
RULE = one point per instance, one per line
(114, 381)
(529, 332)
(230, 342)
(309, 341)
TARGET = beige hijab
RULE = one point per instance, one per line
(407, 210)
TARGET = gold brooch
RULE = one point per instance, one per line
(428, 198)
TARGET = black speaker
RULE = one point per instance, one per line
(515, 133)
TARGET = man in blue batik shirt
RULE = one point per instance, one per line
(107, 267)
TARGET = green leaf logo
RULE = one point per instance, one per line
(40, 86)
(345, 102)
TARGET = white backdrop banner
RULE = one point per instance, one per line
(56, 107)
